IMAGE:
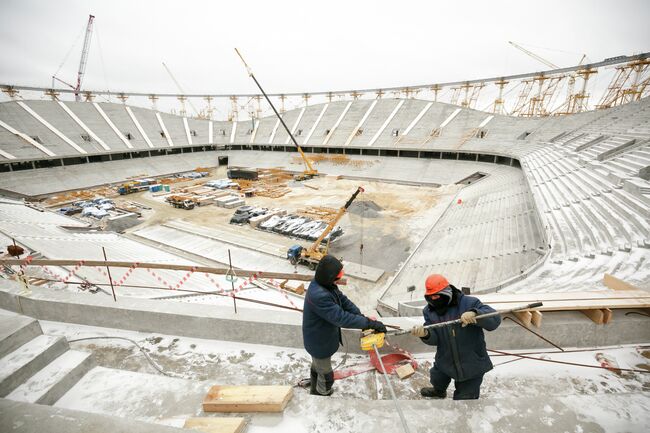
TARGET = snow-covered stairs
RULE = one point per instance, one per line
(34, 367)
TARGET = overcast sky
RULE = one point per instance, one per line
(296, 46)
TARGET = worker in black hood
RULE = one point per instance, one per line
(326, 311)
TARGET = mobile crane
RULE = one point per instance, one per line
(309, 171)
(310, 257)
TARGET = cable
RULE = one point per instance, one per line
(146, 355)
(533, 332)
(72, 47)
(575, 364)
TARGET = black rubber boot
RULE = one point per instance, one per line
(312, 383)
(329, 382)
(432, 393)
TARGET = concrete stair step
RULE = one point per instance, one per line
(30, 418)
(29, 358)
(49, 384)
(16, 331)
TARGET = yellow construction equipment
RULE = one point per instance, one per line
(370, 338)
(310, 257)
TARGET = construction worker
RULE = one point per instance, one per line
(326, 310)
(460, 353)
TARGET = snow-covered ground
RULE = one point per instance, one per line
(518, 392)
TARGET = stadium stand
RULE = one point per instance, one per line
(581, 196)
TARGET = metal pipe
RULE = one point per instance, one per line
(482, 316)
(392, 391)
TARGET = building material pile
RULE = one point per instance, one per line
(84, 194)
(336, 159)
(322, 213)
(269, 183)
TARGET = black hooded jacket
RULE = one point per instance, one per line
(327, 310)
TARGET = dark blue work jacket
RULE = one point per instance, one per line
(326, 311)
(461, 352)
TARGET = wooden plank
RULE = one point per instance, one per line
(615, 284)
(572, 305)
(226, 398)
(596, 316)
(526, 298)
(405, 371)
(607, 315)
(524, 317)
(536, 318)
(216, 424)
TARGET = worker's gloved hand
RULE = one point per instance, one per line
(377, 326)
(419, 331)
(468, 318)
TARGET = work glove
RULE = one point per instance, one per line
(419, 331)
(377, 326)
(468, 318)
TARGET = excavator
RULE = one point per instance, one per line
(309, 171)
(310, 257)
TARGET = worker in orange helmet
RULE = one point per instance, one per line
(461, 354)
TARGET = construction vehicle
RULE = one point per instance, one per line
(133, 187)
(310, 257)
(309, 171)
(181, 202)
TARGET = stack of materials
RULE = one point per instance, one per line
(229, 201)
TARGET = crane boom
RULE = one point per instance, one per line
(312, 255)
(534, 56)
(314, 247)
(310, 170)
(180, 89)
(84, 57)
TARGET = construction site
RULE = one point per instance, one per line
(157, 264)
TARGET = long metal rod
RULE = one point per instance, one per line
(609, 61)
(108, 270)
(392, 391)
(232, 281)
(482, 316)
(167, 266)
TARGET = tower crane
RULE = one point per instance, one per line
(84, 57)
(534, 56)
(82, 62)
(537, 105)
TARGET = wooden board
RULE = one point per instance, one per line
(216, 424)
(607, 315)
(225, 398)
(525, 317)
(591, 304)
(536, 318)
(525, 298)
(615, 284)
(405, 371)
(596, 316)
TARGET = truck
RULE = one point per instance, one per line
(181, 202)
(134, 186)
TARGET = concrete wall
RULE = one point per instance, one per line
(283, 328)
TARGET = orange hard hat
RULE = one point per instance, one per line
(434, 284)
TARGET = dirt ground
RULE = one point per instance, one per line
(388, 218)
